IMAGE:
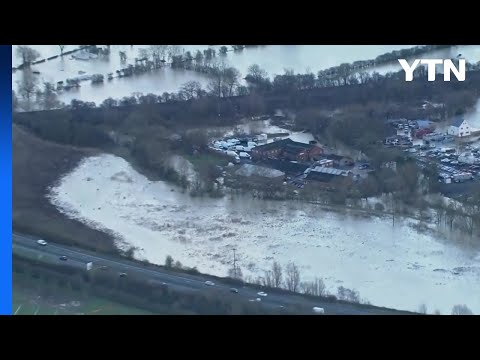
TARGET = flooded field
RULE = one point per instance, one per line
(390, 266)
(273, 58)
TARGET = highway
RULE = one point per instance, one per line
(27, 246)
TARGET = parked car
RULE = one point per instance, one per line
(233, 290)
(261, 293)
(122, 274)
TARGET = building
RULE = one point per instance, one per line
(287, 149)
(325, 175)
(339, 160)
(288, 167)
(459, 127)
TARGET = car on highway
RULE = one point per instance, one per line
(209, 283)
(122, 274)
(261, 293)
(318, 310)
(104, 267)
(233, 290)
(41, 242)
(255, 300)
(63, 258)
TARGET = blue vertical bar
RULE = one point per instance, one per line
(6, 180)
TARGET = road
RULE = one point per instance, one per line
(27, 246)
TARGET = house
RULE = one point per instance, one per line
(459, 127)
(339, 160)
(289, 150)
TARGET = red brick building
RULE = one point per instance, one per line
(289, 150)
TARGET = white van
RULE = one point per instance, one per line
(318, 310)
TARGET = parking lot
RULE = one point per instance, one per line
(458, 160)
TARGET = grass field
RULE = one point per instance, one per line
(37, 301)
(37, 165)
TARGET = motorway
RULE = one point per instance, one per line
(26, 246)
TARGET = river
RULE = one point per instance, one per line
(394, 266)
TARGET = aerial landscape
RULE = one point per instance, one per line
(244, 179)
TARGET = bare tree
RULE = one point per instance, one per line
(27, 54)
(315, 287)
(277, 274)
(191, 89)
(346, 294)
(168, 261)
(144, 53)
(123, 56)
(48, 99)
(422, 309)
(27, 86)
(177, 265)
(173, 51)
(292, 277)
(158, 53)
(256, 73)
(461, 310)
(231, 79)
(268, 279)
(62, 48)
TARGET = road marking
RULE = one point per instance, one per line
(18, 309)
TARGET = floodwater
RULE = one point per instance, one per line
(394, 266)
(273, 58)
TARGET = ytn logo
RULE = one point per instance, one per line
(448, 67)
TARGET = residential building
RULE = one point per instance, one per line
(459, 127)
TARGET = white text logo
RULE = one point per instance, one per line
(448, 67)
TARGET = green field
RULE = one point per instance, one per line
(37, 301)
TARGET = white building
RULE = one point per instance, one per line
(459, 127)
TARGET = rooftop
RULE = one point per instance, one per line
(284, 143)
(457, 121)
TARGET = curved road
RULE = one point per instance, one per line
(27, 246)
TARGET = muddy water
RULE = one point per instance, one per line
(390, 265)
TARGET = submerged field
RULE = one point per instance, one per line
(390, 266)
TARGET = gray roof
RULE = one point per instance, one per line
(424, 123)
(457, 121)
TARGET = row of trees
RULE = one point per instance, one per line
(290, 279)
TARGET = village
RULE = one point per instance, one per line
(455, 152)
(277, 156)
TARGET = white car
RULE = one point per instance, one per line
(261, 293)
(209, 283)
(41, 242)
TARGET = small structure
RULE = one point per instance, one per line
(459, 128)
(341, 160)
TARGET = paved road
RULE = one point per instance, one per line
(27, 246)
